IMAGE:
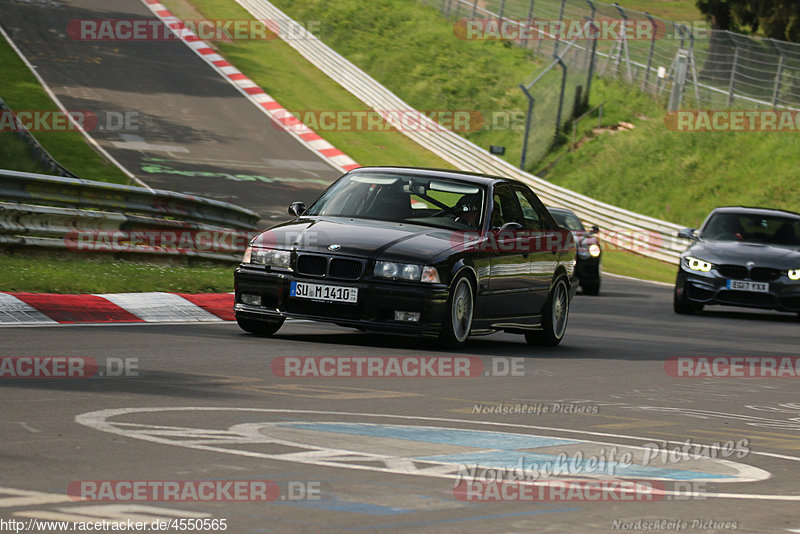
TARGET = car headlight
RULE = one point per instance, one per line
(405, 271)
(248, 253)
(267, 256)
(594, 250)
(696, 264)
(793, 274)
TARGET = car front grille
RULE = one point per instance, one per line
(740, 272)
(737, 272)
(330, 267)
(345, 269)
(763, 274)
(312, 265)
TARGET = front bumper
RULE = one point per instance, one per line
(588, 269)
(711, 288)
(377, 301)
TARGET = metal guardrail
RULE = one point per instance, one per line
(73, 192)
(632, 231)
(120, 219)
(47, 161)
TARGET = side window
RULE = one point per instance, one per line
(543, 220)
(505, 207)
(531, 218)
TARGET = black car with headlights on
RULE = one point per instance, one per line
(741, 257)
(419, 251)
(589, 252)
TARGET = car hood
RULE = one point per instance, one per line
(360, 237)
(739, 253)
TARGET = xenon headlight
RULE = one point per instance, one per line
(594, 250)
(793, 274)
(697, 264)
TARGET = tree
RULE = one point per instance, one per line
(778, 19)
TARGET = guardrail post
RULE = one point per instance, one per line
(560, 19)
(561, 96)
(650, 53)
(732, 82)
(776, 89)
(524, 42)
(531, 102)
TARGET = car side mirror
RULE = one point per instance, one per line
(688, 233)
(595, 229)
(297, 208)
(509, 227)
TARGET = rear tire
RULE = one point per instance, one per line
(458, 315)
(259, 328)
(684, 306)
(555, 315)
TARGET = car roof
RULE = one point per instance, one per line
(756, 211)
(471, 177)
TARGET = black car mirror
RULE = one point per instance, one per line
(687, 233)
(509, 227)
(595, 229)
(297, 208)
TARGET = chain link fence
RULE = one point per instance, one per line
(683, 64)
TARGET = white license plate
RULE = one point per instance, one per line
(745, 285)
(303, 290)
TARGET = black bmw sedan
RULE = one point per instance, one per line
(589, 252)
(420, 251)
(741, 257)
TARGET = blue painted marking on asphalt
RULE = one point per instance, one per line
(461, 438)
(463, 519)
(511, 460)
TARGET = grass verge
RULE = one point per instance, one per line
(630, 264)
(300, 87)
(67, 275)
(22, 92)
(16, 156)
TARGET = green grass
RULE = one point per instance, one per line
(15, 155)
(629, 264)
(55, 275)
(22, 92)
(678, 10)
(299, 86)
(676, 176)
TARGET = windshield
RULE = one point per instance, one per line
(402, 198)
(568, 220)
(770, 229)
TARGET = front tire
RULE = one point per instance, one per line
(591, 288)
(458, 315)
(683, 306)
(555, 315)
(259, 328)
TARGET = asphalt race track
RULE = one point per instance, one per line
(191, 131)
(362, 453)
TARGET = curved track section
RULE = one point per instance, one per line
(191, 130)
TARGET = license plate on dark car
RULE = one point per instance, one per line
(746, 285)
(304, 290)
